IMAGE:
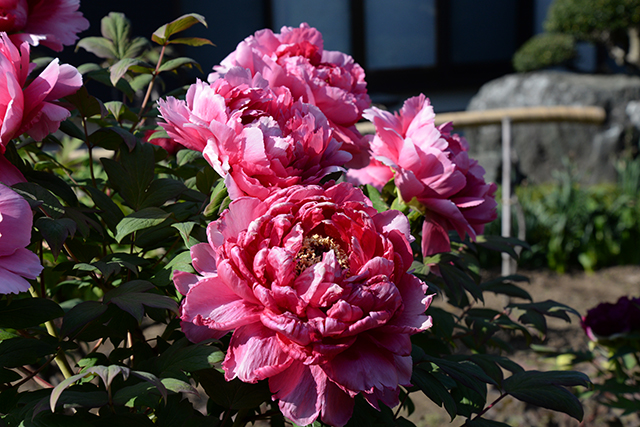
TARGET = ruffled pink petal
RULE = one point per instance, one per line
(212, 303)
(300, 391)
(59, 21)
(22, 262)
(15, 221)
(11, 283)
(254, 354)
(9, 174)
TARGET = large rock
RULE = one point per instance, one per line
(539, 148)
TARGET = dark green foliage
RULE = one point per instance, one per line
(543, 51)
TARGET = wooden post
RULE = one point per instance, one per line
(506, 190)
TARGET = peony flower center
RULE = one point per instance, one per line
(314, 247)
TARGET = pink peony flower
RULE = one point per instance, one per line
(169, 145)
(432, 171)
(314, 284)
(296, 59)
(16, 263)
(53, 23)
(32, 107)
(9, 174)
(259, 139)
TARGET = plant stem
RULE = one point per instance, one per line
(485, 410)
(149, 89)
(61, 358)
(89, 149)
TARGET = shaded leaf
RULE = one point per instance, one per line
(28, 312)
(55, 232)
(191, 41)
(144, 218)
(80, 316)
(172, 64)
(99, 46)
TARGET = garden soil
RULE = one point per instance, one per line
(580, 291)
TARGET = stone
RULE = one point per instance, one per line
(541, 149)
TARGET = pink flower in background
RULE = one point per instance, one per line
(432, 171)
(259, 139)
(314, 284)
(9, 174)
(32, 107)
(169, 145)
(16, 263)
(53, 23)
(296, 59)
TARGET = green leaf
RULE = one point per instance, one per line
(545, 389)
(503, 286)
(72, 130)
(110, 212)
(162, 34)
(55, 232)
(103, 76)
(185, 230)
(133, 295)
(132, 175)
(40, 197)
(483, 422)
(18, 352)
(87, 105)
(434, 390)
(191, 41)
(233, 394)
(135, 46)
(28, 312)
(117, 28)
(188, 358)
(120, 111)
(376, 198)
(144, 218)
(162, 190)
(80, 316)
(119, 69)
(110, 138)
(172, 64)
(140, 82)
(99, 46)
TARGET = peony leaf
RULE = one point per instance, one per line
(55, 232)
(134, 47)
(86, 104)
(144, 218)
(99, 46)
(117, 28)
(133, 295)
(42, 197)
(57, 390)
(162, 190)
(483, 422)
(192, 41)
(545, 389)
(185, 229)
(188, 358)
(28, 312)
(120, 111)
(80, 316)
(175, 63)
(120, 68)
(434, 390)
(233, 394)
(110, 138)
(162, 34)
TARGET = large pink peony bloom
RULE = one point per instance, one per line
(53, 23)
(314, 284)
(16, 263)
(259, 139)
(433, 172)
(32, 107)
(296, 59)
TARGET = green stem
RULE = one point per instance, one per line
(61, 357)
(89, 149)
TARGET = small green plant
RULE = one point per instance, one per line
(544, 50)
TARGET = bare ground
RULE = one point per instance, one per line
(580, 291)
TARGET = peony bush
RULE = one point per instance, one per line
(236, 252)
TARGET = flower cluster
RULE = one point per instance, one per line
(311, 277)
(432, 171)
(296, 59)
(608, 321)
